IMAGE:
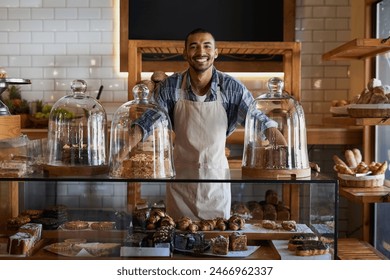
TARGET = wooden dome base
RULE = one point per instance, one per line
(275, 173)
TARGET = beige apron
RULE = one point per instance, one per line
(200, 129)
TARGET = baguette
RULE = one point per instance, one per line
(358, 155)
(350, 158)
(343, 169)
(338, 160)
(381, 169)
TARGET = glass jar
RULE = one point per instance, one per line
(265, 157)
(151, 157)
(77, 131)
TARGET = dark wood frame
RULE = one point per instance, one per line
(229, 66)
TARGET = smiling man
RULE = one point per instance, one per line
(204, 106)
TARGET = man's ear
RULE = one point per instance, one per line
(215, 53)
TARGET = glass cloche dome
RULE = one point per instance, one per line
(269, 158)
(141, 139)
(77, 132)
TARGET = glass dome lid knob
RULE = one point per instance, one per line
(79, 87)
(141, 92)
(275, 85)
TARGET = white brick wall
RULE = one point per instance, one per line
(322, 25)
(54, 42)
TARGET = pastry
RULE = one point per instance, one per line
(193, 228)
(362, 167)
(20, 243)
(304, 236)
(290, 225)
(76, 225)
(32, 213)
(365, 97)
(238, 241)
(318, 248)
(35, 230)
(381, 169)
(16, 222)
(236, 222)
(183, 223)
(102, 225)
(158, 76)
(61, 247)
(221, 224)
(167, 221)
(269, 224)
(220, 245)
(206, 225)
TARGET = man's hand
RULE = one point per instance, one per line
(275, 137)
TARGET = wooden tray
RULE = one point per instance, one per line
(73, 170)
(275, 173)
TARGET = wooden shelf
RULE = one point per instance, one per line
(289, 51)
(348, 121)
(358, 49)
(354, 249)
(366, 195)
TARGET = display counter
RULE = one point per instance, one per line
(312, 203)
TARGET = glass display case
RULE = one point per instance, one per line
(77, 134)
(93, 213)
(265, 154)
(152, 157)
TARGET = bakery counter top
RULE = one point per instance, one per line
(264, 250)
(315, 135)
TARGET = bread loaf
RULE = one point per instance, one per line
(338, 160)
(358, 155)
(350, 158)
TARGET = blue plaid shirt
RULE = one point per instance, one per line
(236, 100)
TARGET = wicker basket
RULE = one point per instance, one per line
(369, 181)
(369, 110)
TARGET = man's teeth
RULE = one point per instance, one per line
(201, 59)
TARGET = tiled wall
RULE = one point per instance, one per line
(321, 25)
(53, 42)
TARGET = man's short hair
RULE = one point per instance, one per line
(196, 31)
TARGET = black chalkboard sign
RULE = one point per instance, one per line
(228, 20)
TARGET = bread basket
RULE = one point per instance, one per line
(369, 110)
(368, 181)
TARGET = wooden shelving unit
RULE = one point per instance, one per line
(358, 49)
(362, 49)
(290, 52)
